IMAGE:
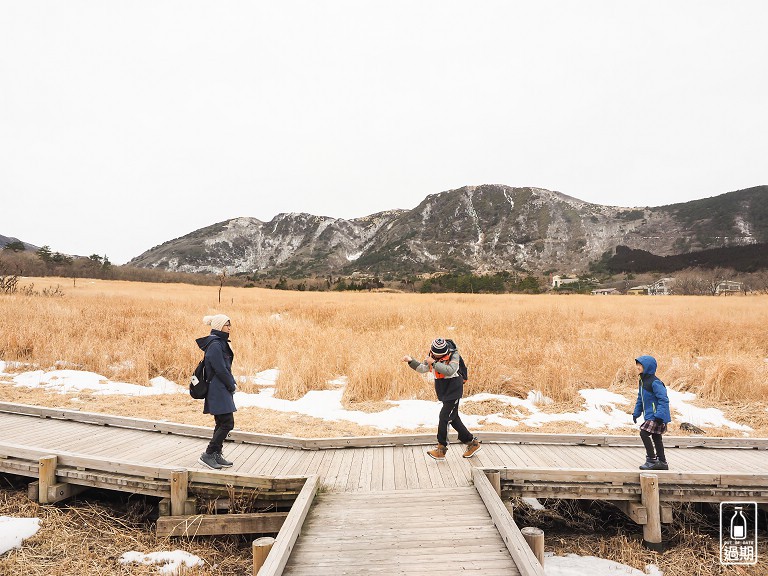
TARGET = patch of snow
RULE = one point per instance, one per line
(276, 317)
(430, 256)
(13, 531)
(575, 565)
(602, 408)
(509, 199)
(678, 401)
(171, 562)
(534, 503)
(355, 256)
(69, 381)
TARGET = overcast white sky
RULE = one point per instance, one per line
(126, 124)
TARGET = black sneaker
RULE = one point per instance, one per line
(660, 465)
(221, 461)
(209, 460)
(649, 464)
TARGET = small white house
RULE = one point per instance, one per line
(558, 281)
(729, 287)
(662, 287)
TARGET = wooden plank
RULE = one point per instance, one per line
(433, 472)
(309, 463)
(425, 481)
(635, 511)
(355, 469)
(368, 469)
(411, 475)
(401, 481)
(289, 532)
(388, 468)
(521, 553)
(217, 524)
(311, 543)
(459, 466)
(333, 469)
(62, 491)
(344, 469)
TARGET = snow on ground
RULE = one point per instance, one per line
(170, 562)
(574, 565)
(601, 408)
(71, 381)
(13, 531)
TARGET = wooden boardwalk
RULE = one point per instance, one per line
(426, 510)
(398, 532)
(386, 463)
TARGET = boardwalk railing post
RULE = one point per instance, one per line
(261, 548)
(179, 488)
(649, 485)
(46, 477)
(535, 539)
(494, 477)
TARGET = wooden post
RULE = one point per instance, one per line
(649, 484)
(535, 539)
(46, 477)
(261, 548)
(494, 476)
(179, 485)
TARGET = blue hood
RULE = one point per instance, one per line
(648, 363)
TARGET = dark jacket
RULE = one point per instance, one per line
(652, 400)
(218, 361)
(449, 385)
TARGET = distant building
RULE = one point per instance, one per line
(605, 291)
(558, 281)
(729, 287)
(636, 290)
(661, 287)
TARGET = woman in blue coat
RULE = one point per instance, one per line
(220, 400)
(653, 405)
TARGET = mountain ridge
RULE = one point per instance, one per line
(481, 228)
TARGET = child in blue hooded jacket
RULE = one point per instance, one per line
(653, 405)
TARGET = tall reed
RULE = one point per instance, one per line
(134, 332)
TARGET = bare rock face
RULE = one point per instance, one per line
(480, 228)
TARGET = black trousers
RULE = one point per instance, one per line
(651, 440)
(224, 425)
(449, 414)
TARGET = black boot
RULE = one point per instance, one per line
(659, 465)
(650, 464)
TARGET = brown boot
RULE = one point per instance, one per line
(439, 452)
(472, 447)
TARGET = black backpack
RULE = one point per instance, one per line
(462, 365)
(198, 384)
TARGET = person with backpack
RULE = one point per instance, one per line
(219, 401)
(653, 405)
(450, 372)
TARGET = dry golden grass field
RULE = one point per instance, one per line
(133, 332)
(715, 347)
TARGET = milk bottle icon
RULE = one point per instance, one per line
(738, 525)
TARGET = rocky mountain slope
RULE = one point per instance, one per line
(479, 228)
(5, 240)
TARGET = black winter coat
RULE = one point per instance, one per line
(218, 361)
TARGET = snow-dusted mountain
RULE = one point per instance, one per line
(479, 228)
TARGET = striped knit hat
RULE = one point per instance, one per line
(439, 347)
